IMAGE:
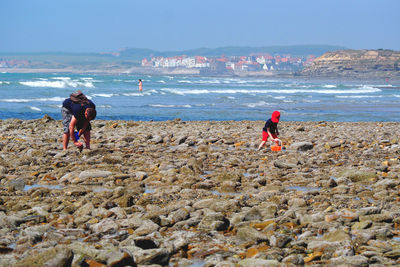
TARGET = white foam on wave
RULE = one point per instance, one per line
(4, 82)
(61, 78)
(133, 94)
(53, 99)
(311, 101)
(268, 91)
(169, 106)
(104, 106)
(280, 97)
(15, 100)
(209, 81)
(24, 100)
(63, 83)
(104, 95)
(258, 104)
(359, 96)
(161, 81)
(35, 108)
(185, 81)
(54, 106)
(145, 93)
(329, 86)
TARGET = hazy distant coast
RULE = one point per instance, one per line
(147, 71)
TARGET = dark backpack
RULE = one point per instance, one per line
(79, 97)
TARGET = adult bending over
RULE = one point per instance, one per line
(77, 112)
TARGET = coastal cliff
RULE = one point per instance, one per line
(355, 64)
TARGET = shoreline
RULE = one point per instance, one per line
(198, 192)
(196, 73)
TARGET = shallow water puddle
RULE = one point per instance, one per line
(303, 188)
(28, 187)
(198, 263)
(148, 190)
(396, 238)
(98, 189)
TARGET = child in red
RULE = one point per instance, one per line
(271, 129)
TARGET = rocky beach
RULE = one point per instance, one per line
(198, 193)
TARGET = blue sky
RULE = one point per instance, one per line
(109, 25)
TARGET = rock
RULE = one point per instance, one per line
(213, 222)
(249, 234)
(94, 174)
(147, 227)
(17, 184)
(336, 236)
(350, 261)
(301, 146)
(258, 262)
(141, 175)
(158, 256)
(86, 209)
(106, 226)
(54, 257)
(120, 259)
(284, 165)
(279, 240)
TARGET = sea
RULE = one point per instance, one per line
(32, 95)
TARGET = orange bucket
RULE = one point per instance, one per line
(277, 147)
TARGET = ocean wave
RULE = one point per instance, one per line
(169, 106)
(54, 106)
(5, 82)
(15, 100)
(268, 91)
(359, 96)
(310, 101)
(104, 95)
(104, 106)
(61, 78)
(64, 83)
(24, 100)
(258, 104)
(35, 108)
(329, 86)
(146, 93)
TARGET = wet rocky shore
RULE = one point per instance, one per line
(179, 193)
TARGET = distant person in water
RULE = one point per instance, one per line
(271, 129)
(77, 112)
(140, 85)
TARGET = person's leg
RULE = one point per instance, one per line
(264, 139)
(86, 134)
(261, 145)
(65, 141)
(66, 119)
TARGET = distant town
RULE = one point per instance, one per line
(257, 62)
